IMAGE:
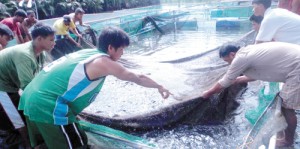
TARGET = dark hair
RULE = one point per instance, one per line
(79, 10)
(5, 30)
(21, 13)
(226, 49)
(42, 30)
(256, 19)
(266, 3)
(30, 12)
(67, 18)
(113, 36)
(6, 14)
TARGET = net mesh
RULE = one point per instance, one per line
(264, 99)
(100, 136)
(268, 123)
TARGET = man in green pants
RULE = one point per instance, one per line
(18, 66)
(68, 85)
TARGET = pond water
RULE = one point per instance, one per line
(183, 43)
(234, 129)
(232, 132)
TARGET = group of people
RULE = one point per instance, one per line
(64, 26)
(41, 100)
(19, 24)
(275, 57)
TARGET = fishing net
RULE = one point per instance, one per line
(100, 136)
(65, 46)
(268, 124)
(264, 99)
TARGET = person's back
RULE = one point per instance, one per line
(18, 66)
(60, 28)
(291, 5)
(270, 61)
(280, 25)
(14, 24)
(68, 85)
(11, 24)
(12, 60)
(73, 90)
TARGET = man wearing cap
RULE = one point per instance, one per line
(14, 24)
(272, 62)
(5, 35)
(18, 65)
(65, 44)
(62, 26)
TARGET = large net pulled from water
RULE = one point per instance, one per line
(268, 124)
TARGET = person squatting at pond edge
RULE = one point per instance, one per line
(14, 24)
(5, 36)
(272, 62)
(68, 85)
(278, 24)
(19, 64)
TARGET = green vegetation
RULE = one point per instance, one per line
(57, 8)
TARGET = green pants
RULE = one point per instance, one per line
(56, 136)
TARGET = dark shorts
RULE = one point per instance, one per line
(56, 136)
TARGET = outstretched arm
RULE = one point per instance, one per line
(243, 79)
(215, 89)
(83, 24)
(73, 41)
(74, 31)
(105, 66)
(218, 87)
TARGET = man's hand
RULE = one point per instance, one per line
(164, 92)
(242, 79)
(78, 45)
(206, 94)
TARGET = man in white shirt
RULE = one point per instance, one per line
(270, 61)
(278, 24)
